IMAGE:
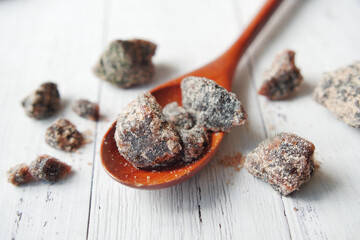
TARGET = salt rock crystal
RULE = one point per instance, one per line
(86, 109)
(63, 135)
(19, 174)
(339, 91)
(178, 116)
(48, 168)
(285, 161)
(283, 78)
(194, 142)
(143, 135)
(211, 105)
(43, 102)
(126, 63)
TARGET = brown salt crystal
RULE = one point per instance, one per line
(86, 109)
(285, 161)
(143, 135)
(63, 135)
(283, 78)
(48, 168)
(19, 174)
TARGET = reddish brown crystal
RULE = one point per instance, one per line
(143, 135)
(285, 161)
(19, 174)
(283, 78)
(63, 135)
(86, 109)
(43, 102)
(48, 168)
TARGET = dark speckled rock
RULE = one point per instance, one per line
(143, 135)
(339, 91)
(212, 105)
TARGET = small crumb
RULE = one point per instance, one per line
(86, 109)
(63, 135)
(295, 209)
(236, 161)
(19, 174)
(89, 163)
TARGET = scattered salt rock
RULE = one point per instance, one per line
(283, 78)
(48, 168)
(285, 161)
(43, 102)
(86, 109)
(63, 135)
(19, 174)
(127, 63)
(339, 91)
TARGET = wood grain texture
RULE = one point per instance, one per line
(40, 41)
(61, 40)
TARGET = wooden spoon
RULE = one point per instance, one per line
(221, 70)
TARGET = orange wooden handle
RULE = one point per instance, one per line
(225, 65)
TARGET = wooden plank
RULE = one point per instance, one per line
(323, 35)
(216, 203)
(40, 41)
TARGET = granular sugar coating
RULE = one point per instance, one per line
(43, 102)
(194, 141)
(48, 168)
(63, 135)
(285, 161)
(211, 105)
(143, 135)
(86, 109)
(127, 63)
(19, 174)
(178, 116)
(283, 78)
(339, 91)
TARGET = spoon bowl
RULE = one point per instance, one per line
(221, 70)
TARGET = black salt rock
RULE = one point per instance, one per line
(43, 102)
(143, 135)
(178, 116)
(285, 161)
(194, 141)
(283, 78)
(48, 168)
(86, 109)
(339, 91)
(127, 63)
(63, 135)
(211, 105)
(19, 174)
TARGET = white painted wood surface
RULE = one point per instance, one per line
(61, 40)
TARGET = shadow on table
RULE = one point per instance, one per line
(320, 186)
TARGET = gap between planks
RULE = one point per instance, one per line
(105, 31)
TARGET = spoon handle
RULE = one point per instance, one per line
(223, 68)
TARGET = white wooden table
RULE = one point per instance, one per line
(61, 40)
